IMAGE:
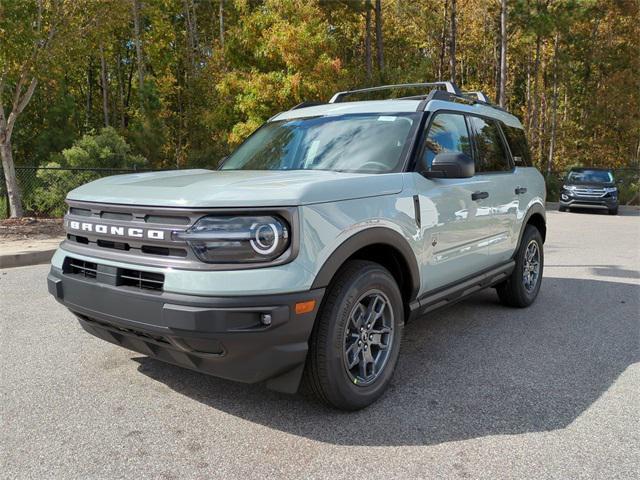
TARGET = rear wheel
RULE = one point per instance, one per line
(522, 287)
(355, 343)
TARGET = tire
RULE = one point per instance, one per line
(518, 291)
(347, 300)
(613, 211)
(562, 209)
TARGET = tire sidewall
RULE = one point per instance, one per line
(531, 233)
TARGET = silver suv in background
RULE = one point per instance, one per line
(306, 253)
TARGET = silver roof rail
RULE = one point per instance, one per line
(448, 86)
(478, 95)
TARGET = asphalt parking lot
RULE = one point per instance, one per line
(481, 391)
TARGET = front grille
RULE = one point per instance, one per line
(83, 268)
(118, 277)
(589, 192)
(144, 232)
(144, 280)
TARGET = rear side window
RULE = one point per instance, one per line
(492, 153)
(447, 133)
(518, 145)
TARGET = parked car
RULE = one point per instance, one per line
(590, 188)
(306, 253)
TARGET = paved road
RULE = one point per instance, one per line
(481, 391)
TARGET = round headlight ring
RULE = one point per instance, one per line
(258, 244)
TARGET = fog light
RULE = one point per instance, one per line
(564, 197)
(265, 319)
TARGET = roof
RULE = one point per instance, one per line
(398, 106)
(369, 106)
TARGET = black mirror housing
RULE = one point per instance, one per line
(451, 165)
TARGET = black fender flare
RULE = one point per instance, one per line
(365, 238)
(535, 209)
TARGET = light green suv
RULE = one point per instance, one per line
(307, 251)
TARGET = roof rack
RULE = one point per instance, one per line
(450, 87)
(306, 104)
(478, 95)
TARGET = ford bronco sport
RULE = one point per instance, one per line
(306, 252)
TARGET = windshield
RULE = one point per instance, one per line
(590, 176)
(363, 143)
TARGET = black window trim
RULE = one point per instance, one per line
(422, 135)
(504, 142)
(504, 136)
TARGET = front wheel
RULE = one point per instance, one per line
(522, 287)
(355, 343)
(613, 211)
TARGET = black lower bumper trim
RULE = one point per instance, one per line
(221, 336)
(606, 202)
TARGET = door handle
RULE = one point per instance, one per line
(521, 190)
(479, 195)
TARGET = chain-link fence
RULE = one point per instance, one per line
(44, 188)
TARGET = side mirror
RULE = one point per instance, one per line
(619, 182)
(451, 165)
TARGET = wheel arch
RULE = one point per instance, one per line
(382, 245)
(535, 216)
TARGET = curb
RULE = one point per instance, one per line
(24, 259)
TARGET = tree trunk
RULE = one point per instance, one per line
(105, 86)
(120, 78)
(503, 54)
(379, 39)
(367, 38)
(443, 39)
(89, 93)
(452, 42)
(138, 42)
(192, 32)
(221, 15)
(13, 189)
(536, 96)
(21, 99)
(554, 105)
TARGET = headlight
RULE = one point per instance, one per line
(610, 189)
(569, 187)
(237, 239)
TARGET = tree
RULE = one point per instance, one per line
(452, 42)
(502, 93)
(379, 38)
(22, 59)
(367, 38)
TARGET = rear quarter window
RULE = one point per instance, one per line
(518, 144)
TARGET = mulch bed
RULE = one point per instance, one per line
(30, 228)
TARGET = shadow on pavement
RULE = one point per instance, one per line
(474, 370)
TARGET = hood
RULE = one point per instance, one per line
(235, 188)
(591, 184)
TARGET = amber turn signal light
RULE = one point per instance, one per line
(305, 307)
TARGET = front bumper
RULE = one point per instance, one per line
(221, 336)
(567, 199)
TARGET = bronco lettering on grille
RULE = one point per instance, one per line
(115, 230)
